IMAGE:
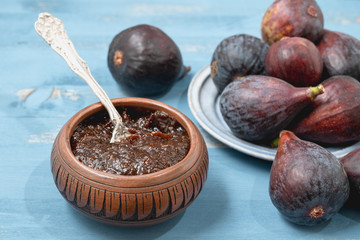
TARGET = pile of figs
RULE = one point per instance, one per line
(298, 84)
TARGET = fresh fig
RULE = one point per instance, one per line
(292, 18)
(308, 185)
(334, 117)
(295, 60)
(257, 108)
(145, 61)
(237, 56)
(340, 53)
(351, 164)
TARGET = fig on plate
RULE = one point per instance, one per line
(295, 60)
(257, 108)
(308, 185)
(351, 164)
(237, 56)
(145, 61)
(334, 117)
(292, 18)
(340, 53)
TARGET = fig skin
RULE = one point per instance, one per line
(237, 56)
(351, 164)
(292, 18)
(307, 185)
(145, 61)
(334, 117)
(340, 53)
(295, 60)
(257, 108)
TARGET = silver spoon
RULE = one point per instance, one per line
(52, 30)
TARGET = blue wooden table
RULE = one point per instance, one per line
(39, 93)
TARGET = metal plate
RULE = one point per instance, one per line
(203, 99)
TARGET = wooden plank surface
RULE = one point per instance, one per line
(39, 93)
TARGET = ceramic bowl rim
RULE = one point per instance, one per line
(136, 181)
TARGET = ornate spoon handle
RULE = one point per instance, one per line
(52, 30)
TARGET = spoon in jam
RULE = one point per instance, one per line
(52, 30)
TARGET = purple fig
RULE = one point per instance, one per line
(308, 185)
(145, 61)
(351, 164)
(257, 108)
(333, 117)
(292, 18)
(237, 56)
(340, 53)
(295, 60)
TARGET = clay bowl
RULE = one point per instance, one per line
(128, 201)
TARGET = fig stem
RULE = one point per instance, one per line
(275, 143)
(313, 92)
(185, 70)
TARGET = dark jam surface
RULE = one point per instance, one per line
(157, 142)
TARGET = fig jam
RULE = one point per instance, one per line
(157, 141)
